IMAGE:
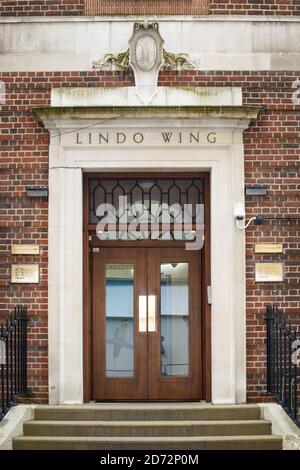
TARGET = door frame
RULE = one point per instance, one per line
(88, 272)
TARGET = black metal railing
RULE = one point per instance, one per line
(283, 362)
(13, 358)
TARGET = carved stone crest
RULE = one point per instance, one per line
(146, 56)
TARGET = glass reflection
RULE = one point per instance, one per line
(174, 320)
(119, 320)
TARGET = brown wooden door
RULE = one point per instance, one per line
(147, 324)
(119, 349)
(174, 348)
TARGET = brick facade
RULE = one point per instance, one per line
(154, 7)
(41, 8)
(271, 158)
(146, 7)
(255, 7)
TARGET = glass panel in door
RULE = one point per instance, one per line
(119, 317)
(174, 319)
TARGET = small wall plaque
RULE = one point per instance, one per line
(268, 248)
(25, 249)
(25, 274)
(256, 191)
(268, 272)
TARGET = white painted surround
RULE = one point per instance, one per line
(67, 162)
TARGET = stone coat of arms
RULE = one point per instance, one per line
(146, 56)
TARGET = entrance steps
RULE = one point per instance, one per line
(177, 426)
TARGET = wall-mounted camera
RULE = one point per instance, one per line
(239, 211)
(239, 214)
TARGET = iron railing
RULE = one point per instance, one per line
(13, 359)
(283, 362)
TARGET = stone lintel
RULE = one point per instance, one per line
(173, 112)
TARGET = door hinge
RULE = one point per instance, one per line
(209, 295)
(95, 250)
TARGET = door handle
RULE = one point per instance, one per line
(142, 313)
(151, 313)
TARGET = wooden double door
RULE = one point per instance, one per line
(147, 324)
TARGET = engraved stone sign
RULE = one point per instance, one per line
(25, 274)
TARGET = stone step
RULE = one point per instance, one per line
(149, 443)
(142, 412)
(146, 428)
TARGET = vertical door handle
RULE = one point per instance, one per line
(142, 313)
(151, 313)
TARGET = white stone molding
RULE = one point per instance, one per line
(65, 285)
(72, 153)
(216, 43)
(166, 96)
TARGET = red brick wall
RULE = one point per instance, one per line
(272, 149)
(142, 7)
(41, 7)
(255, 7)
(103, 7)
(146, 7)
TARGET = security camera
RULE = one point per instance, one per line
(239, 215)
(239, 211)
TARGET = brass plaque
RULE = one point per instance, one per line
(25, 249)
(268, 248)
(268, 272)
(25, 274)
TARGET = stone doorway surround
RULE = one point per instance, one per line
(74, 127)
